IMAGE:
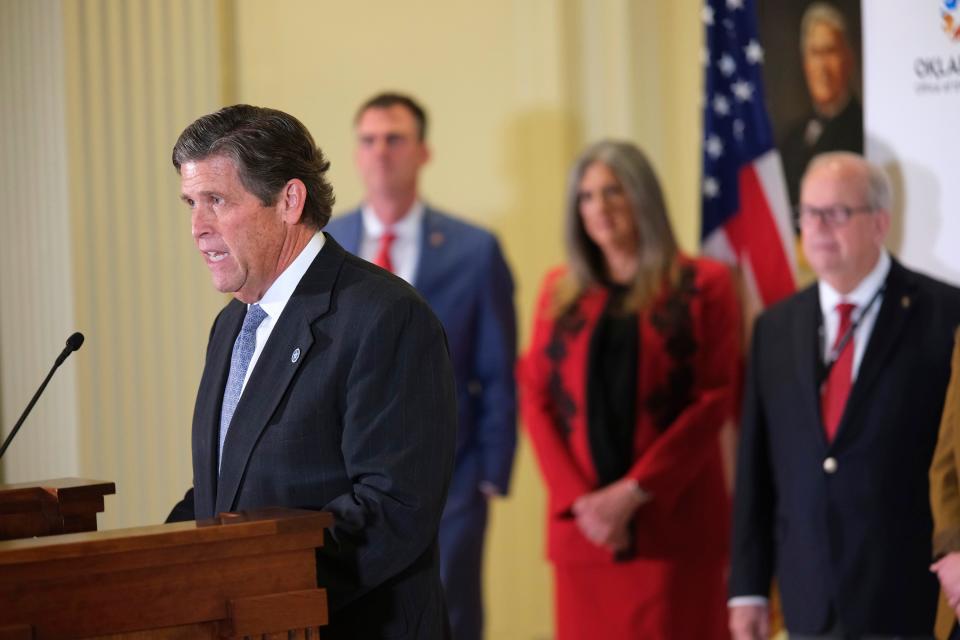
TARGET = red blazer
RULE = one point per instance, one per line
(689, 364)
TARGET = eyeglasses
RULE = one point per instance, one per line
(835, 215)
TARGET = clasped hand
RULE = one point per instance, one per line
(603, 516)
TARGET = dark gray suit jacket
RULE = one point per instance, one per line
(463, 277)
(849, 538)
(350, 408)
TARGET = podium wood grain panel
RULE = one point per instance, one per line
(51, 507)
(165, 580)
(276, 612)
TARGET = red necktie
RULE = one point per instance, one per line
(836, 388)
(382, 258)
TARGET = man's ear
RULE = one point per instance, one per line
(292, 199)
(424, 153)
(882, 222)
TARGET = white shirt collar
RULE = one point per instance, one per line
(279, 293)
(862, 294)
(406, 228)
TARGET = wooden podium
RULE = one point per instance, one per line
(52, 507)
(243, 575)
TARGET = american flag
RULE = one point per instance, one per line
(746, 214)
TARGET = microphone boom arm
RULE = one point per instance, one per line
(73, 343)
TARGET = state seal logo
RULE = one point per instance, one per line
(950, 18)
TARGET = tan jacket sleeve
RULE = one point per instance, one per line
(944, 485)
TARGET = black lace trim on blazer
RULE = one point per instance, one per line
(562, 406)
(673, 321)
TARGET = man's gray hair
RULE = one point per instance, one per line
(821, 12)
(879, 188)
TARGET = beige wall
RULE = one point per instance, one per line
(96, 240)
(137, 72)
(35, 250)
(514, 90)
(514, 87)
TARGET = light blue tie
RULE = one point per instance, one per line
(243, 350)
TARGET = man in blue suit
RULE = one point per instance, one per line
(459, 269)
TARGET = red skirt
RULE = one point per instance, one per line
(648, 599)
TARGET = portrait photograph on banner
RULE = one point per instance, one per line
(814, 80)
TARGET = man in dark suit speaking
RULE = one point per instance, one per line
(327, 383)
(845, 387)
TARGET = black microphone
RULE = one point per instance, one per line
(74, 342)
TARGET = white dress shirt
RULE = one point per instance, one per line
(405, 250)
(861, 296)
(278, 295)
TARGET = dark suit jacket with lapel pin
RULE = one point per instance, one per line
(362, 423)
(462, 275)
(464, 278)
(853, 533)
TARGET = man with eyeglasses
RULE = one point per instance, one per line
(844, 391)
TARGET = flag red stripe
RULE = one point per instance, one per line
(754, 236)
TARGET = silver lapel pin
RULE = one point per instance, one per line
(295, 355)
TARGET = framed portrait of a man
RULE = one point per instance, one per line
(813, 79)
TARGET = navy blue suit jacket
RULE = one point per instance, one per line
(465, 280)
(856, 538)
(361, 422)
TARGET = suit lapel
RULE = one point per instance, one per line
(898, 303)
(206, 424)
(352, 232)
(276, 368)
(806, 354)
(434, 241)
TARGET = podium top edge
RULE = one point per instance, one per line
(247, 525)
(56, 485)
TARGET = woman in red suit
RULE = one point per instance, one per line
(630, 375)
